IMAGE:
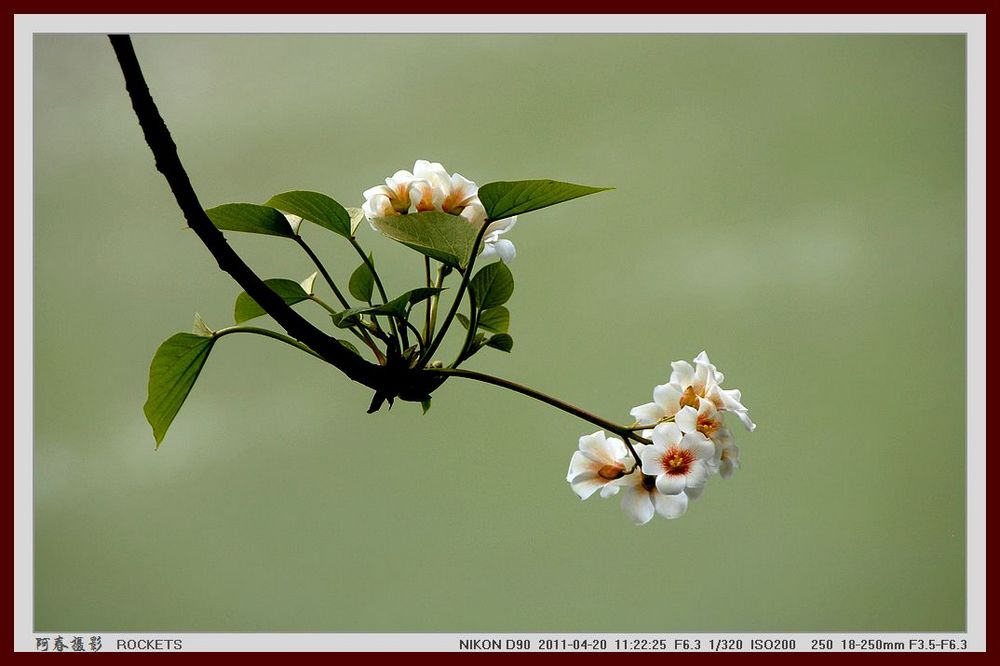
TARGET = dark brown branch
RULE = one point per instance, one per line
(169, 164)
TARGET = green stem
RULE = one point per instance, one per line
(427, 311)
(360, 335)
(466, 276)
(620, 430)
(267, 333)
(470, 335)
(434, 300)
(322, 270)
(376, 278)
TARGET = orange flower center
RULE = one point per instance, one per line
(689, 398)
(611, 472)
(707, 425)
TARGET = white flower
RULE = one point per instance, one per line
(677, 460)
(688, 386)
(436, 189)
(729, 460)
(428, 193)
(393, 198)
(493, 245)
(599, 462)
(666, 403)
(431, 188)
(641, 499)
(704, 381)
(707, 420)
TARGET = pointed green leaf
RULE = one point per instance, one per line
(250, 218)
(316, 208)
(492, 286)
(447, 238)
(290, 291)
(503, 342)
(348, 345)
(463, 320)
(173, 372)
(425, 404)
(495, 320)
(362, 282)
(508, 198)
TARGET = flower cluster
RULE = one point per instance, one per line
(683, 442)
(429, 187)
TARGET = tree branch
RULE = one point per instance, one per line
(169, 164)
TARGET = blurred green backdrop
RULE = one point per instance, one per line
(794, 205)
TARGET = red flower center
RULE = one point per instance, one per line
(677, 461)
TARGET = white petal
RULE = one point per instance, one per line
(668, 397)
(723, 437)
(682, 375)
(616, 449)
(501, 226)
(610, 490)
(694, 493)
(378, 190)
(687, 418)
(744, 418)
(666, 435)
(476, 214)
(637, 505)
(670, 485)
(697, 474)
(701, 446)
(726, 469)
(505, 250)
(647, 414)
(671, 506)
(594, 446)
(587, 487)
(730, 461)
(702, 358)
(489, 252)
(652, 460)
(580, 464)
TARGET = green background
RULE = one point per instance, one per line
(794, 205)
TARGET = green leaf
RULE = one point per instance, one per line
(503, 342)
(362, 282)
(173, 372)
(447, 238)
(250, 218)
(492, 286)
(348, 345)
(394, 308)
(290, 291)
(508, 198)
(316, 208)
(495, 320)
(425, 404)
